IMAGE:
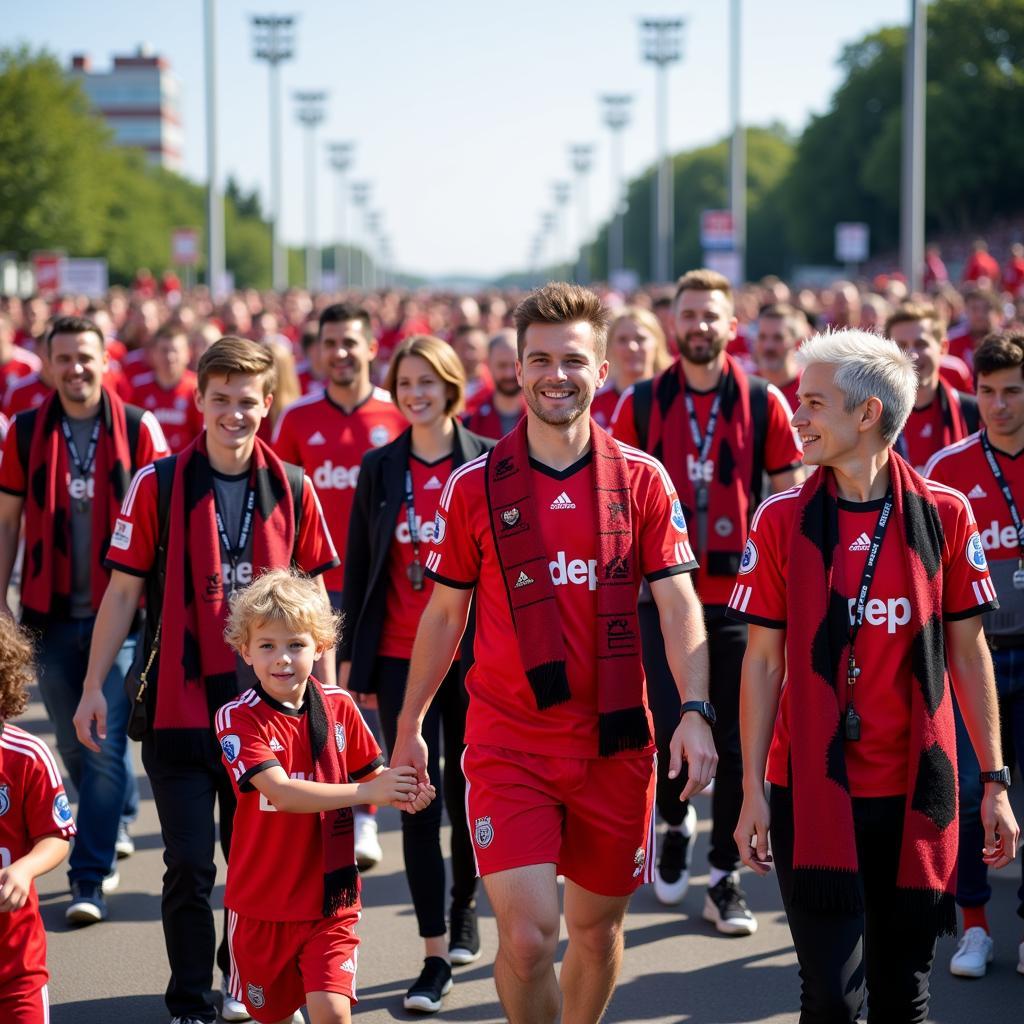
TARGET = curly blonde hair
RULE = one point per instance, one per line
(282, 595)
(17, 669)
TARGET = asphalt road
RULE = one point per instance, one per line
(677, 968)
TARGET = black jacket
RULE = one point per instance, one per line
(378, 500)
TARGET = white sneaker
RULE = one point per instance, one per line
(973, 954)
(230, 1007)
(111, 882)
(672, 875)
(368, 851)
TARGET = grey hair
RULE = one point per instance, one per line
(867, 366)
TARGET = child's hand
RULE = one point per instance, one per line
(425, 792)
(15, 883)
(394, 786)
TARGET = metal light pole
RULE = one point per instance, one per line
(373, 226)
(310, 112)
(912, 176)
(273, 42)
(560, 191)
(738, 149)
(662, 46)
(341, 160)
(214, 200)
(361, 199)
(616, 117)
(582, 158)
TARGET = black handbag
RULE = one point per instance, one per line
(136, 685)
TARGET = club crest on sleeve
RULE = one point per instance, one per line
(483, 832)
(232, 747)
(255, 996)
(976, 552)
(61, 810)
(440, 526)
(749, 558)
(678, 519)
(5, 799)
(339, 737)
(121, 538)
(379, 436)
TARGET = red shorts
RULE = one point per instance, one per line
(592, 817)
(25, 1001)
(275, 963)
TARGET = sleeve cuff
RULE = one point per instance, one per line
(321, 569)
(970, 613)
(11, 490)
(109, 563)
(456, 584)
(244, 785)
(377, 762)
(670, 570)
(754, 620)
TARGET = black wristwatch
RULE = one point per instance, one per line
(704, 708)
(1002, 776)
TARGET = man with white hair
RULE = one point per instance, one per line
(860, 587)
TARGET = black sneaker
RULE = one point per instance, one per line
(433, 984)
(725, 906)
(87, 904)
(464, 944)
(672, 875)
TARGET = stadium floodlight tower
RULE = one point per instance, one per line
(361, 191)
(616, 117)
(310, 112)
(581, 157)
(273, 41)
(560, 192)
(374, 226)
(662, 46)
(341, 161)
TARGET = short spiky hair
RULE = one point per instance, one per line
(341, 313)
(73, 325)
(1002, 350)
(282, 595)
(236, 355)
(16, 668)
(703, 280)
(562, 303)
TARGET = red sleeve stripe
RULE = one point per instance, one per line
(984, 592)
(223, 718)
(632, 454)
(942, 453)
(684, 553)
(156, 432)
(740, 597)
(355, 707)
(433, 561)
(791, 492)
(320, 513)
(298, 403)
(783, 401)
(478, 463)
(129, 498)
(21, 742)
(953, 492)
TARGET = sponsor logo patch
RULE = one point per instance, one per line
(862, 543)
(276, 745)
(563, 501)
(749, 559)
(339, 737)
(977, 491)
(639, 859)
(5, 799)
(379, 436)
(440, 525)
(232, 747)
(254, 995)
(976, 552)
(524, 580)
(348, 966)
(510, 516)
(678, 519)
(122, 535)
(483, 832)
(61, 810)
(317, 438)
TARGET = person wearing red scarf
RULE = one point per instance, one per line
(231, 509)
(865, 588)
(554, 529)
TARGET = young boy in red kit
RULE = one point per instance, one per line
(291, 747)
(35, 826)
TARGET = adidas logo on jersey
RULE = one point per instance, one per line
(523, 581)
(348, 966)
(977, 492)
(862, 543)
(275, 744)
(563, 501)
(317, 438)
(926, 430)
(433, 484)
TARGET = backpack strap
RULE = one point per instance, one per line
(296, 482)
(24, 425)
(133, 424)
(643, 401)
(164, 469)
(969, 408)
(759, 419)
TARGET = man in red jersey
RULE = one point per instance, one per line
(28, 392)
(983, 314)
(719, 432)
(778, 337)
(504, 406)
(555, 529)
(168, 390)
(860, 588)
(941, 414)
(981, 264)
(470, 343)
(987, 467)
(328, 434)
(15, 362)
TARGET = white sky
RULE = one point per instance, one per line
(462, 112)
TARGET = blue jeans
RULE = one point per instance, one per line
(105, 782)
(972, 889)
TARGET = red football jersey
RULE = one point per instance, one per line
(502, 708)
(275, 869)
(962, 346)
(954, 371)
(923, 434)
(174, 408)
(33, 805)
(20, 365)
(136, 535)
(329, 443)
(25, 393)
(781, 452)
(963, 465)
(877, 763)
(405, 605)
(603, 406)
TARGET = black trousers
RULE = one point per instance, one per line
(882, 951)
(444, 728)
(186, 796)
(727, 642)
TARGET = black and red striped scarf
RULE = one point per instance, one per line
(825, 852)
(954, 425)
(622, 718)
(337, 832)
(46, 583)
(197, 668)
(732, 453)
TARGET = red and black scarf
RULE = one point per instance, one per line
(825, 853)
(46, 586)
(622, 719)
(197, 668)
(337, 833)
(954, 423)
(732, 453)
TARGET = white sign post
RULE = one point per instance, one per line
(852, 244)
